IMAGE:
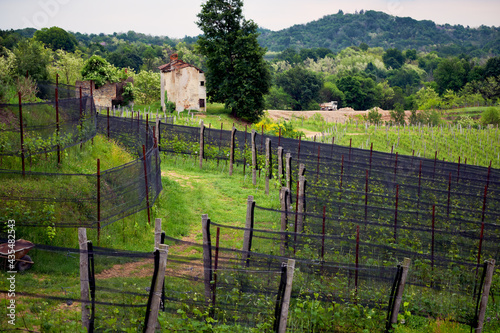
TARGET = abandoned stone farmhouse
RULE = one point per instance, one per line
(184, 85)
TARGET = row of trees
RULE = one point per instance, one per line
(31, 61)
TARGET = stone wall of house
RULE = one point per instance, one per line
(103, 96)
(185, 87)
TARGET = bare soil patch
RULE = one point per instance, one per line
(143, 268)
(339, 116)
(184, 181)
(310, 134)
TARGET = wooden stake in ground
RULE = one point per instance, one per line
(268, 164)
(157, 233)
(286, 297)
(247, 235)
(284, 194)
(231, 154)
(280, 165)
(84, 277)
(490, 269)
(202, 143)
(288, 164)
(400, 290)
(254, 158)
(156, 299)
(207, 257)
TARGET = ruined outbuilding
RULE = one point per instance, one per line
(184, 84)
(106, 96)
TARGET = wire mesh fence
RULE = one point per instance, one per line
(94, 199)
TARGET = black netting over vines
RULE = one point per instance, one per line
(244, 291)
(119, 299)
(46, 126)
(436, 277)
(444, 216)
(92, 199)
(47, 91)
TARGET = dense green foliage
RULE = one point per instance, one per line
(31, 59)
(237, 74)
(302, 85)
(364, 77)
(377, 29)
(56, 38)
(100, 71)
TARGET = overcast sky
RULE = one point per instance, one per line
(176, 19)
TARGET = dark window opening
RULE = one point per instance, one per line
(202, 83)
(202, 103)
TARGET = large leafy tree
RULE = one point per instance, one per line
(31, 58)
(302, 85)
(68, 65)
(360, 93)
(237, 74)
(492, 67)
(57, 39)
(451, 74)
(393, 58)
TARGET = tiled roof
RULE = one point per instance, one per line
(176, 64)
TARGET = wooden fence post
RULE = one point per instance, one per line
(400, 289)
(157, 233)
(288, 164)
(254, 158)
(284, 194)
(231, 154)
(207, 257)
(268, 164)
(290, 268)
(202, 143)
(84, 277)
(156, 295)
(280, 165)
(302, 169)
(90, 260)
(248, 233)
(490, 269)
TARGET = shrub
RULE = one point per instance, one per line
(100, 71)
(373, 117)
(490, 116)
(398, 114)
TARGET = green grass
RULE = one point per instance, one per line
(190, 192)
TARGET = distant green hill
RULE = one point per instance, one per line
(378, 29)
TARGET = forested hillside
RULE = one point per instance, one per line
(364, 60)
(377, 29)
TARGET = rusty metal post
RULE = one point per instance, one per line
(98, 201)
(146, 181)
(21, 126)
